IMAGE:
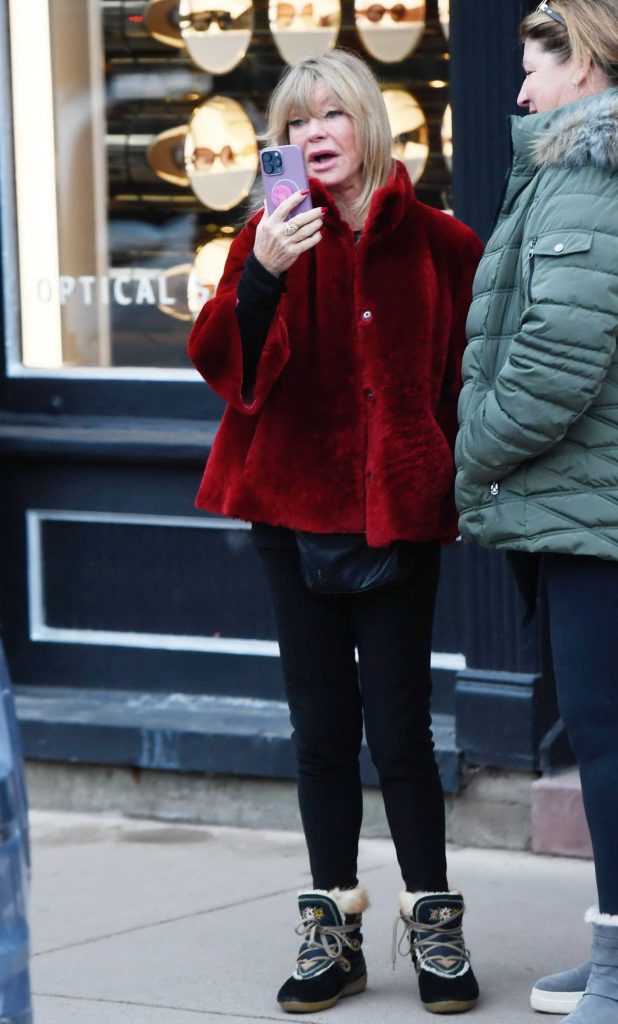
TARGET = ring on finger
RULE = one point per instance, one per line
(290, 228)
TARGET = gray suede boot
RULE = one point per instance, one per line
(599, 1003)
(561, 992)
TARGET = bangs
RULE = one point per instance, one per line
(295, 97)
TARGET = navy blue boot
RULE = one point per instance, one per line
(433, 934)
(330, 961)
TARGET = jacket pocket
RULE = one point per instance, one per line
(554, 244)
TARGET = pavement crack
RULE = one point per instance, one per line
(179, 917)
(231, 1014)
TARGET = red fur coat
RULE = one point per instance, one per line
(354, 411)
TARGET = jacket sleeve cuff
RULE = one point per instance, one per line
(215, 349)
(257, 287)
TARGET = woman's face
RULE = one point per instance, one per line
(329, 145)
(547, 84)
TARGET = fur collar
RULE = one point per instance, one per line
(583, 134)
(389, 204)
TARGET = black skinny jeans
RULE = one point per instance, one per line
(583, 617)
(330, 696)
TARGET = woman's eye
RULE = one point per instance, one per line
(334, 113)
(295, 122)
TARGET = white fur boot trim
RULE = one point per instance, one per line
(408, 899)
(349, 901)
(594, 916)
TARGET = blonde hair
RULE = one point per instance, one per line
(590, 31)
(354, 86)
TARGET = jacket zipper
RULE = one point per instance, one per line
(494, 490)
(531, 263)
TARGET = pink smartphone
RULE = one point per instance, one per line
(283, 172)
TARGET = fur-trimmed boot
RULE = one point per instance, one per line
(330, 961)
(433, 933)
(599, 1003)
(561, 992)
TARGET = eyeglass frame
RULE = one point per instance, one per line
(544, 8)
(200, 21)
(226, 155)
(306, 14)
(382, 11)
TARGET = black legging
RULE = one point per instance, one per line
(330, 696)
(583, 615)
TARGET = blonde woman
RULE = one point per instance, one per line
(537, 453)
(336, 338)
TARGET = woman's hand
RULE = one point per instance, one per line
(276, 246)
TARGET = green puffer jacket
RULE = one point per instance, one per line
(537, 451)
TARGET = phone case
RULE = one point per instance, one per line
(283, 172)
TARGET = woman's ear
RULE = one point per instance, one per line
(582, 71)
(588, 77)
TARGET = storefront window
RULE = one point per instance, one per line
(135, 148)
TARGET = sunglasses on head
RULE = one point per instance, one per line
(546, 9)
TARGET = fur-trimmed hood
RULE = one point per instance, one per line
(583, 134)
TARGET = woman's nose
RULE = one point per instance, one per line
(523, 99)
(315, 128)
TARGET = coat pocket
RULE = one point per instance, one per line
(553, 245)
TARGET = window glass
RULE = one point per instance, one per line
(137, 164)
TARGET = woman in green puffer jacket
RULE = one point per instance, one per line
(537, 451)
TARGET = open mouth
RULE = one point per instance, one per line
(323, 159)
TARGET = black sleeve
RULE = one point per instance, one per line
(258, 296)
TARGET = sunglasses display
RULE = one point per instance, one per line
(189, 285)
(305, 17)
(446, 135)
(114, 280)
(220, 153)
(409, 130)
(206, 272)
(200, 21)
(160, 19)
(203, 157)
(302, 30)
(390, 33)
(217, 37)
(397, 13)
(444, 14)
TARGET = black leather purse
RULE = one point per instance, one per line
(343, 563)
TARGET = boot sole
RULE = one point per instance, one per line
(554, 1002)
(451, 1006)
(352, 989)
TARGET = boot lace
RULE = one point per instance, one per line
(428, 949)
(329, 939)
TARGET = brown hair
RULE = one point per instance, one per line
(590, 30)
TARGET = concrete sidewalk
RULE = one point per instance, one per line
(146, 923)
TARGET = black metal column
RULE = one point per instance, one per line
(486, 77)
